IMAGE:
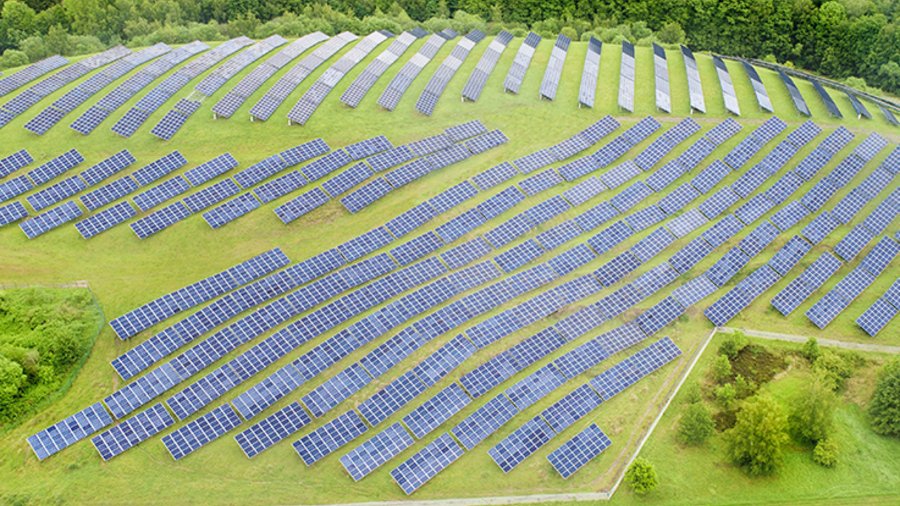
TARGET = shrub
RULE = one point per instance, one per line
(695, 425)
(721, 369)
(810, 350)
(884, 409)
(733, 344)
(726, 395)
(692, 393)
(12, 378)
(14, 58)
(833, 369)
(743, 387)
(758, 437)
(641, 477)
(569, 32)
(812, 412)
(826, 453)
(671, 33)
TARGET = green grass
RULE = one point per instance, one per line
(124, 272)
(867, 472)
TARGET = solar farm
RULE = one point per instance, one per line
(420, 266)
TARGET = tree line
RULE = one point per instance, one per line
(840, 39)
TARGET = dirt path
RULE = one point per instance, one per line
(774, 336)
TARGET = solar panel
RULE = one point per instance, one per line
(225, 213)
(377, 67)
(106, 219)
(410, 70)
(552, 74)
(372, 454)
(572, 407)
(160, 219)
(484, 421)
(729, 96)
(521, 62)
(877, 316)
(796, 96)
(132, 432)
(579, 451)
(661, 73)
(695, 89)
(14, 162)
(426, 464)
(272, 429)
(626, 77)
(519, 445)
(69, 431)
(51, 219)
(853, 243)
(194, 435)
(479, 76)
(694, 290)
(759, 89)
(12, 212)
(627, 372)
(436, 410)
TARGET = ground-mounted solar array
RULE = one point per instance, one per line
(428, 279)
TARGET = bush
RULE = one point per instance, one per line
(758, 437)
(826, 453)
(733, 344)
(810, 350)
(641, 477)
(569, 32)
(884, 409)
(833, 369)
(743, 387)
(812, 412)
(721, 369)
(671, 33)
(12, 378)
(695, 425)
(692, 393)
(14, 58)
(726, 395)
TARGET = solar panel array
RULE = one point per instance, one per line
(695, 87)
(879, 314)
(661, 74)
(156, 97)
(235, 98)
(588, 89)
(395, 90)
(192, 436)
(133, 431)
(313, 97)
(826, 98)
(438, 83)
(626, 77)
(796, 96)
(759, 89)
(266, 106)
(858, 107)
(43, 88)
(97, 113)
(169, 125)
(76, 96)
(550, 82)
(18, 79)
(161, 308)
(377, 67)
(728, 94)
(578, 451)
(516, 74)
(479, 76)
(69, 431)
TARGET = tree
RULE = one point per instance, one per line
(721, 369)
(733, 344)
(812, 412)
(14, 58)
(884, 409)
(696, 424)
(725, 396)
(12, 377)
(810, 350)
(758, 437)
(671, 33)
(833, 369)
(641, 477)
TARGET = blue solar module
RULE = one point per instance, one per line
(231, 210)
(819, 228)
(334, 391)
(51, 219)
(658, 316)
(392, 398)
(109, 192)
(376, 451)
(853, 243)
(723, 230)
(629, 371)
(436, 410)
(452, 197)
(718, 203)
(494, 176)
(484, 421)
(754, 208)
(159, 168)
(500, 202)
(209, 170)
(534, 387)
(631, 196)
(645, 218)
(12, 212)
(416, 248)
(466, 253)
(69, 431)
(201, 431)
(789, 255)
(519, 255)
(827, 309)
(55, 193)
(541, 181)
(14, 162)
(159, 220)
(558, 235)
(879, 258)
(519, 445)
(694, 290)
(301, 205)
(366, 243)
(444, 360)
(272, 429)
(329, 437)
(710, 177)
(758, 239)
(877, 316)
(653, 244)
(211, 195)
(362, 197)
(686, 223)
(572, 407)
(411, 219)
(106, 219)
(798, 290)
(133, 431)
(678, 199)
(727, 266)
(426, 464)
(460, 225)
(578, 451)
(688, 256)
(160, 193)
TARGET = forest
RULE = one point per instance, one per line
(842, 39)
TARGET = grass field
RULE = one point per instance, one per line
(866, 473)
(125, 272)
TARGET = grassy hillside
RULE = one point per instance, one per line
(125, 272)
